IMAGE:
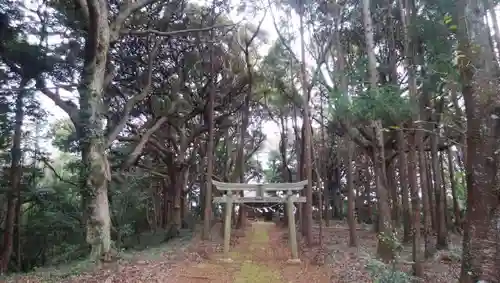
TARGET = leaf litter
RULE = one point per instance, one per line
(260, 255)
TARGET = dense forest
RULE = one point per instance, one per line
(389, 108)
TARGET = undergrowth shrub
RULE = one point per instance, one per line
(389, 272)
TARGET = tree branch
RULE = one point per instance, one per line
(142, 142)
(173, 32)
(133, 101)
(125, 11)
(280, 36)
(47, 164)
(84, 8)
(67, 106)
(354, 134)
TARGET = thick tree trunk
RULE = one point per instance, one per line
(15, 179)
(177, 188)
(481, 248)
(241, 157)
(384, 249)
(165, 204)
(91, 126)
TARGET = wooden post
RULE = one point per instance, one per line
(227, 224)
(292, 230)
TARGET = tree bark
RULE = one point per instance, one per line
(425, 191)
(453, 184)
(391, 183)
(350, 195)
(430, 188)
(384, 248)
(442, 242)
(404, 164)
(306, 125)
(368, 190)
(15, 180)
(209, 119)
(481, 247)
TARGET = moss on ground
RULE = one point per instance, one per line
(251, 272)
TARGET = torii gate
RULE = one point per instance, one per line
(260, 189)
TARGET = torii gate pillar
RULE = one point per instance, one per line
(290, 199)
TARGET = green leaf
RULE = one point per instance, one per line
(448, 19)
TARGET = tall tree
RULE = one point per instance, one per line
(480, 242)
(307, 132)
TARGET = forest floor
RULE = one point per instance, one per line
(259, 255)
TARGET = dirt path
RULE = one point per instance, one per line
(259, 257)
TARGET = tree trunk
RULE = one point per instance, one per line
(431, 190)
(481, 249)
(426, 204)
(456, 207)
(385, 243)
(15, 178)
(403, 181)
(384, 249)
(306, 125)
(444, 192)
(395, 209)
(209, 120)
(414, 138)
(442, 242)
(415, 204)
(350, 195)
(176, 184)
(368, 191)
(92, 135)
